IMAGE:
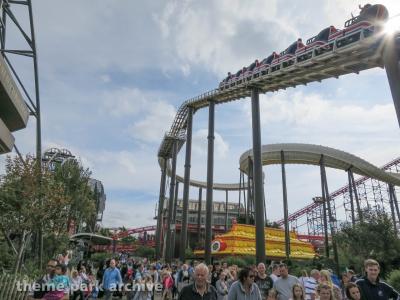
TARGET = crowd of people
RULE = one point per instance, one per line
(138, 279)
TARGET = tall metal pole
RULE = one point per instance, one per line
(226, 210)
(173, 222)
(360, 214)
(391, 202)
(251, 204)
(245, 201)
(188, 157)
(331, 220)
(353, 218)
(285, 206)
(325, 219)
(210, 180)
(391, 61)
(257, 177)
(160, 209)
(38, 123)
(240, 193)
(168, 254)
(265, 205)
(396, 204)
(199, 216)
(249, 192)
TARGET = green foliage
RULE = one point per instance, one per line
(272, 224)
(74, 180)
(394, 279)
(235, 260)
(6, 257)
(54, 244)
(104, 232)
(143, 251)
(374, 238)
(31, 199)
(189, 252)
(99, 257)
(128, 240)
(31, 269)
(250, 260)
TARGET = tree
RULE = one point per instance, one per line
(26, 206)
(105, 232)
(373, 238)
(75, 181)
(144, 251)
(21, 213)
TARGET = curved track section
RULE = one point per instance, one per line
(203, 184)
(309, 154)
(306, 154)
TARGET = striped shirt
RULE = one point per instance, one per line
(310, 285)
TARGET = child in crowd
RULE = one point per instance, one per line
(352, 291)
(58, 285)
(272, 294)
(324, 292)
(297, 292)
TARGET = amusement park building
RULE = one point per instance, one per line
(219, 212)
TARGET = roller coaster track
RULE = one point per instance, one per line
(364, 54)
(303, 211)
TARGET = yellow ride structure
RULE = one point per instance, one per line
(240, 240)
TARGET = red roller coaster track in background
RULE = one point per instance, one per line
(191, 227)
(130, 231)
(344, 189)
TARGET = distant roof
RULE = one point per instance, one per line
(95, 238)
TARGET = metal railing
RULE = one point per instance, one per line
(13, 287)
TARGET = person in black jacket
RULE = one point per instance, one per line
(200, 289)
(215, 273)
(371, 287)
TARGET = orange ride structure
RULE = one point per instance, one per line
(241, 241)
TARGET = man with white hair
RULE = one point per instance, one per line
(263, 281)
(200, 289)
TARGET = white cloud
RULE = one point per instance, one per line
(314, 111)
(152, 116)
(200, 144)
(128, 213)
(105, 78)
(157, 118)
(123, 102)
(123, 170)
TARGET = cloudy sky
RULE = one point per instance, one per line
(113, 73)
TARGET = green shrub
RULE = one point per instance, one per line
(99, 257)
(394, 279)
(6, 258)
(144, 251)
(189, 252)
(250, 260)
(234, 260)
